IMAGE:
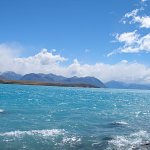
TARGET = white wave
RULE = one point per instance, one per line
(2, 110)
(63, 103)
(133, 141)
(119, 123)
(137, 114)
(71, 140)
(53, 132)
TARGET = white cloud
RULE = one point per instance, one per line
(145, 42)
(133, 13)
(53, 50)
(133, 42)
(42, 58)
(143, 1)
(7, 53)
(144, 20)
(112, 53)
(128, 37)
(41, 62)
(46, 62)
(124, 61)
(122, 71)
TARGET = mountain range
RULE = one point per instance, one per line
(122, 85)
(58, 79)
(52, 78)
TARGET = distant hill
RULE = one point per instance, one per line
(87, 80)
(122, 85)
(42, 77)
(52, 78)
(2, 78)
(116, 84)
(73, 81)
(9, 75)
(60, 79)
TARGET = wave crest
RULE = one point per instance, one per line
(133, 141)
(53, 132)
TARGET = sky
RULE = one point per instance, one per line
(107, 39)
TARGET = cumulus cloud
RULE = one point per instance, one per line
(128, 37)
(53, 50)
(7, 53)
(133, 17)
(46, 62)
(143, 1)
(42, 58)
(133, 42)
(122, 71)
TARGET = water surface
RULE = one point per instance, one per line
(45, 118)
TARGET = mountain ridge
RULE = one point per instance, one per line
(41, 78)
(122, 85)
(53, 79)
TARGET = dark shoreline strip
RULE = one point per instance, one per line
(46, 83)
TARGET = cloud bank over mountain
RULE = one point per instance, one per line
(48, 62)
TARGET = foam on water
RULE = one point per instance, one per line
(53, 132)
(71, 140)
(2, 110)
(120, 123)
(54, 137)
(133, 141)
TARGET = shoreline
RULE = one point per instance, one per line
(47, 83)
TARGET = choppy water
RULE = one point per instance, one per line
(47, 118)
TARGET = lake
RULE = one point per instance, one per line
(62, 118)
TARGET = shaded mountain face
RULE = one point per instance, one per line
(60, 79)
(52, 78)
(122, 85)
(116, 84)
(85, 80)
(36, 77)
(2, 78)
(9, 75)
(42, 77)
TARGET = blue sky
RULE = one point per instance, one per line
(86, 30)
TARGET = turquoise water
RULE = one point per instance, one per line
(59, 118)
